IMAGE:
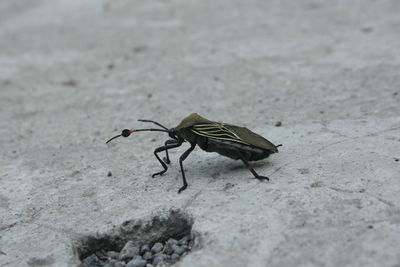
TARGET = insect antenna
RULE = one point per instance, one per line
(127, 132)
(113, 138)
(157, 123)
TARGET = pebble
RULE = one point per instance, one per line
(169, 248)
(157, 247)
(137, 263)
(184, 240)
(172, 241)
(144, 249)
(158, 259)
(112, 261)
(119, 264)
(109, 174)
(160, 263)
(129, 250)
(113, 254)
(90, 260)
(149, 265)
(175, 257)
(148, 256)
(101, 254)
(179, 250)
(168, 259)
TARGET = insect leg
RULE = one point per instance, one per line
(249, 167)
(162, 162)
(170, 141)
(181, 159)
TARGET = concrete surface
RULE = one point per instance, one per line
(74, 73)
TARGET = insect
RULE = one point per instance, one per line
(226, 139)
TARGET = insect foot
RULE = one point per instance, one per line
(161, 241)
(157, 173)
(262, 178)
(182, 188)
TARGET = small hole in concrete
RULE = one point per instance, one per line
(161, 241)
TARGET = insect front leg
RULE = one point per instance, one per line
(181, 159)
(160, 149)
(168, 142)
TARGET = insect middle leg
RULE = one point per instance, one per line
(181, 159)
(160, 149)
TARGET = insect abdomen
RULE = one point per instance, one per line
(228, 149)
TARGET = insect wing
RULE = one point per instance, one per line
(252, 138)
(218, 131)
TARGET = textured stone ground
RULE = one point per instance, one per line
(74, 73)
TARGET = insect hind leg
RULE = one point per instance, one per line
(243, 158)
(250, 168)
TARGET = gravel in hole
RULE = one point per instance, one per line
(161, 241)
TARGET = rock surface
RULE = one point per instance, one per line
(129, 251)
(75, 73)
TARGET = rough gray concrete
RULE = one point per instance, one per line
(74, 73)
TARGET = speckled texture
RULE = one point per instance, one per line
(74, 73)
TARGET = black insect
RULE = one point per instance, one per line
(228, 140)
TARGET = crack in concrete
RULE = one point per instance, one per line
(346, 190)
(389, 203)
(8, 226)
